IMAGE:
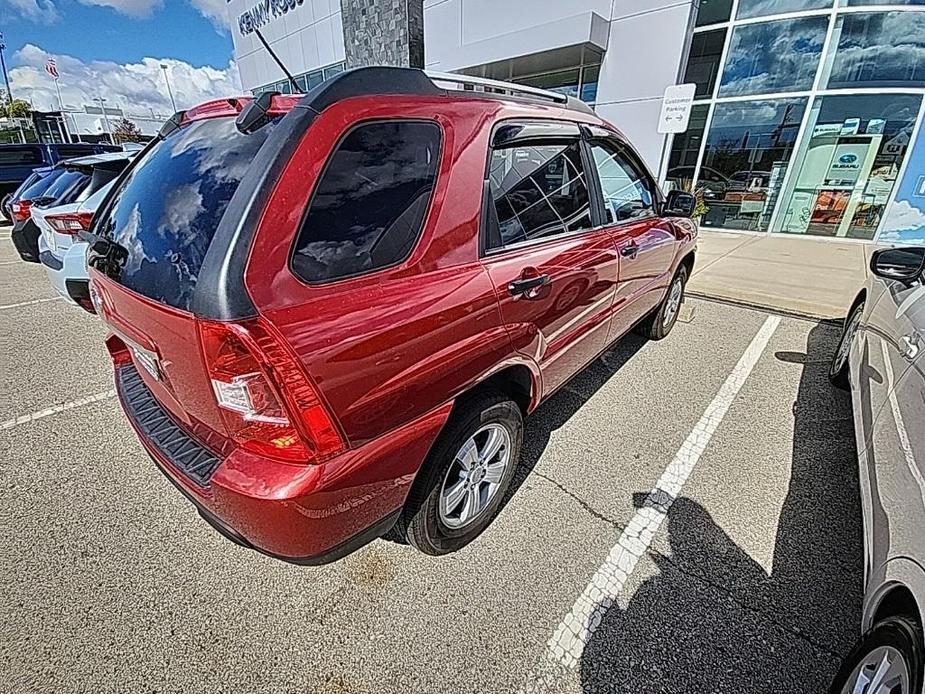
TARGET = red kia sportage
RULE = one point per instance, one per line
(330, 313)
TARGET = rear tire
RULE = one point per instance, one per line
(838, 368)
(894, 644)
(660, 322)
(454, 476)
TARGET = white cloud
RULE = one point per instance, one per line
(137, 88)
(46, 11)
(133, 8)
(41, 11)
(902, 219)
(215, 11)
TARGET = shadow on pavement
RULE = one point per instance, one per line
(712, 619)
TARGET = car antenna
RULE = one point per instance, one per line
(295, 87)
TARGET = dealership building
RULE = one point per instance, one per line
(805, 113)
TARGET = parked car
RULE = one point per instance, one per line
(75, 181)
(880, 357)
(330, 314)
(6, 206)
(62, 252)
(17, 162)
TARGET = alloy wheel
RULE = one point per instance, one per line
(673, 304)
(474, 477)
(882, 671)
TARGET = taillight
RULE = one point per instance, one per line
(70, 223)
(268, 403)
(21, 210)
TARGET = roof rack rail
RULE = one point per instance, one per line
(489, 86)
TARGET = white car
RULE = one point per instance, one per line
(61, 252)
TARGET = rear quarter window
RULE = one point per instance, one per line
(371, 201)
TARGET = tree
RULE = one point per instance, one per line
(126, 131)
(18, 108)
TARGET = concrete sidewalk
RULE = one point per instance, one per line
(797, 274)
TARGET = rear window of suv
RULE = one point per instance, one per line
(167, 209)
(370, 203)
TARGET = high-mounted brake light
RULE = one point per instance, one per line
(21, 210)
(70, 224)
(268, 404)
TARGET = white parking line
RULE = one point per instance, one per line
(30, 303)
(49, 411)
(10, 262)
(565, 648)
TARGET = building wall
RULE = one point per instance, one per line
(308, 36)
(643, 43)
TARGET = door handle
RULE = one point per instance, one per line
(629, 250)
(527, 284)
(909, 346)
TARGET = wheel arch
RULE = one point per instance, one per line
(900, 592)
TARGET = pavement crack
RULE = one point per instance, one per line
(581, 502)
(762, 613)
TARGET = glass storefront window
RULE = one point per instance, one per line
(703, 61)
(589, 77)
(865, 3)
(775, 56)
(713, 12)
(562, 81)
(682, 162)
(848, 164)
(747, 152)
(879, 49)
(763, 8)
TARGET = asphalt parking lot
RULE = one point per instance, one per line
(686, 519)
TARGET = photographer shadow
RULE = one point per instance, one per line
(712, 619)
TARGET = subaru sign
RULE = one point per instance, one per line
(848, 158)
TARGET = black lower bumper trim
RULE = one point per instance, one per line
(348, 546)
(48, 259)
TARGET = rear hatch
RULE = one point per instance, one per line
(163, 215)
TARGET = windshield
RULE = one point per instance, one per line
(167, 209)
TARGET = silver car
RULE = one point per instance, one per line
(881, 358)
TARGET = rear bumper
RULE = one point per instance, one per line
(25, 236)
(308, 514)
(66, 270)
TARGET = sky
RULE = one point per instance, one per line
(114, 48)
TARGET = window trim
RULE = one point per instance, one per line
(579, 137)
(311, 199)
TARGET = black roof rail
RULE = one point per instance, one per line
(368, 81)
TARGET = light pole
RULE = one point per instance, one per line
(169, 90)
(102, 102)
(6, 77)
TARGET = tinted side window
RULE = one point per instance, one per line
(370, 203)
(538, 190)
(14, 156)
(627, 191)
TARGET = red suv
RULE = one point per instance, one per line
(330, 313)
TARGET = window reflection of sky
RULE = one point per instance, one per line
(167, 212)
(773, 56)
(879, 49)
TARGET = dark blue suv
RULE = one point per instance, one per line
(18, 161)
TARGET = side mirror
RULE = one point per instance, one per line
(901, 264)
(679, 203)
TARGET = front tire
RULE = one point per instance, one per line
(838, 368)
(662, 320)
(463, 483)
(887, 660)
